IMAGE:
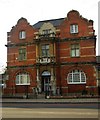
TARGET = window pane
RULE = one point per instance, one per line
(73, 46)
(70, 78)
(43, 53)
(82, 77)
(77, 46)
(28, 79)
(17, 79)
(45, 50)
(22, 54)
(76, 28)
(22, 79)
(47, 53)
(72, 53)
(73, 28)
(43, 46)
(47, 46)
(22, 34)
(25, 79)
(77, 52)
(76, 76)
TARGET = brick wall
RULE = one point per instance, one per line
(64, 62)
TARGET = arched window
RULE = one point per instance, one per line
(23, 79)
(76, 77)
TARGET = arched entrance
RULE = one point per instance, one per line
(45, 82)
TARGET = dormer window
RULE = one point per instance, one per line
(22, 35)
(73, 28)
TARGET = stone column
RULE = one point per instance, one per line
(37, 53)
(38, 81)
(53, 82)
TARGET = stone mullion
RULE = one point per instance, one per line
(37, 52)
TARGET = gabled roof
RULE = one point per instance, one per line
(55, 22)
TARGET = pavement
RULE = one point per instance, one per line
(50, 112)
(43, 100)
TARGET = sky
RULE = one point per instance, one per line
(38, 10)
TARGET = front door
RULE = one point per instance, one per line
(46, 83)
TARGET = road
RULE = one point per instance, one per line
(29, 110)
(50, 105)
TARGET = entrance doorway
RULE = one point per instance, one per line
(45, 82)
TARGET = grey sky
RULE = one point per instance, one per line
(37, 10)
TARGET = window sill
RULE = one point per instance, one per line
(77, 83)
(74, 33)
(22, 38)
(23, 84)
(75, 56)
(22, 60)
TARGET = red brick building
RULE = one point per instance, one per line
(55, 56)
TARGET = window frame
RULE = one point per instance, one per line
(79, 74)
(22, 76)
(46, 50)
(22, 34)
(75, 50)
(22, 54)
(74, 28)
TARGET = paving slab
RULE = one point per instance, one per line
(87, 100)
